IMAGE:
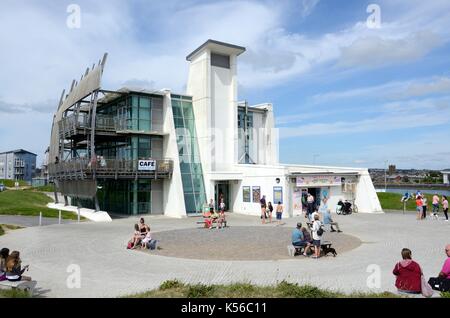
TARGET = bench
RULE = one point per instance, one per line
(27, 286)
(298, 250)
(214, 221)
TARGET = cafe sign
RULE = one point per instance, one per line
(318, 181)
(147, 165)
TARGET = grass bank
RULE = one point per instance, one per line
(391, 201)
(29, 203)
(7, 227)
(177, 289)
(46, 188)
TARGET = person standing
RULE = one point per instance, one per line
(424, 207)
(408, 274)
(270, 208)
(211, 206)
(310, 205)
(445, 207)
(263, 209)
(435, 204)
(419, 204)
(279, 212)
(317, 235)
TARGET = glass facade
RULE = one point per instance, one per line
(245, 148)
(139, 114)
(190, 164)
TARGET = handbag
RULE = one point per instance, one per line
(427, 291)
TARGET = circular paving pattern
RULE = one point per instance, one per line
(239, 243)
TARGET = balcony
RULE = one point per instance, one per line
(80, 125)
(79, 169)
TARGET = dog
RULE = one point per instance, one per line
(435, 216)
(327, 250)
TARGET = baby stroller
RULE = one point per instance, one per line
(344, 208)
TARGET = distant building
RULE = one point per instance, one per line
(445, 174)
(392, 169)
(17, 165)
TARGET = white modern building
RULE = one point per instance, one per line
(445, 174)
(164, 153)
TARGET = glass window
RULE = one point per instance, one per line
(246, 194)
(144, 102)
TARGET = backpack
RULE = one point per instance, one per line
(151, 245)
(320, 231)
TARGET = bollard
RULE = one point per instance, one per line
(78, 215)
(40, 218)
(59, 217)
(404, 207)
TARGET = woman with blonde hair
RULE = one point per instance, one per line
(14, 271)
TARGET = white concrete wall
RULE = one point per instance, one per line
(366, 196)
(173, 203)
(446, 180)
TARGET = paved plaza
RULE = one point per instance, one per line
(189, 253)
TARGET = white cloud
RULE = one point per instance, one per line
(392, 90)
(392, 116)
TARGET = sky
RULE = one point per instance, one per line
(350, 87)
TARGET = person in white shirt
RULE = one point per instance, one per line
(317, 225)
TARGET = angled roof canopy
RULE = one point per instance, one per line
(217, 47)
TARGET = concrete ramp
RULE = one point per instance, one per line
(99, 216)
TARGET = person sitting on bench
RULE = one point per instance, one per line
(4, 253)
(14, 271)
(298, 238)
(327, 220)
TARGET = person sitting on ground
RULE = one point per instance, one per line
(14, 270)
(4, 253)
(143, 228)
(408, 274)
(136, 238)
(146, 240)
(221, 221)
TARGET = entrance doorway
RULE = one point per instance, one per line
(316, 193)
(222, 191)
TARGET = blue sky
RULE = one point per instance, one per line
(343, 93)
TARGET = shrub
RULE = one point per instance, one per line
(171, 284)
(199, 291)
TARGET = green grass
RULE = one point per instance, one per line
(14, 293)
(177, 289)
(29, 203)
(391, 201)
(46, 188)
(10, 183)
(445, 294)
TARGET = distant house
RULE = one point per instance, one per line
(445, 174)
(17, 165)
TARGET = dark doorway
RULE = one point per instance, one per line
(222, 191)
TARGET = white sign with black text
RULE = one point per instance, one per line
(147, 165)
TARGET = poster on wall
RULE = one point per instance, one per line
(277, 195)
(256, 194)
(318, 181)
(297, 201)
(246, 194)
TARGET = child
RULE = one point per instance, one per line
(136, 237)
(146, 240)
(221, 220)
